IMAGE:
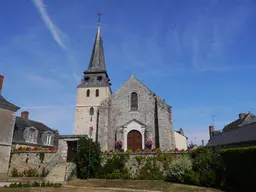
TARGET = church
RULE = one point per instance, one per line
(133, 117)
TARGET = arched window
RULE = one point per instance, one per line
(88, 93)
(97, 92)
(30, 135)
(134, 101)
(91, 111)
(47, 138)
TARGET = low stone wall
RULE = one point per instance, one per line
(34, 160)
(138, 164)
(21, 160)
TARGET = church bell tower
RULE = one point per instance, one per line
(93, 89)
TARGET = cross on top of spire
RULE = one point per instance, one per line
(99, 15)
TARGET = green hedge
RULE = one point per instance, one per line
(240, 165)
(233, 169)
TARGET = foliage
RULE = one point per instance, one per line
(149, 169)
(178, 167)
(14, 172)
(41, 157)
(240, 167)
(34, 184)
(207, 163)
(114, 168)
(82, 159)
(44, 172)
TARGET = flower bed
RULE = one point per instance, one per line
(34, 148)
(148, 151)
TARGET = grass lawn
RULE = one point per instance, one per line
(120, 185)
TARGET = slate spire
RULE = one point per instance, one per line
(97, 61)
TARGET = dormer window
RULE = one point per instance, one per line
(30, 135)
(48, 138)
(99, 78)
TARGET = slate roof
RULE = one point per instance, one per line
(4, 104)
(235, 123)
(97, 61)
(240, 130)
(239, 135)
(21, 124)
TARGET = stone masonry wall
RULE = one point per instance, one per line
(21, 160)
(166, 132)
(7, 119)
(120, 109)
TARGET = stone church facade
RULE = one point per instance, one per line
(132, 115)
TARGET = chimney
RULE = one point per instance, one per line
(1, 83)
(181, 131)
(242, 115)
(24, 115)
(211, 129)
(202, 142)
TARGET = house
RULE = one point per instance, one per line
(180, 140)
(241, 132)
(7, 121)
(33, 133)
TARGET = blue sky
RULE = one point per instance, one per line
(197, 55)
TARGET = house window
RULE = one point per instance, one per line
(30, 135)
(88, 93)
(134, 101)
(47, 138)
(91, 111)
(97, 92)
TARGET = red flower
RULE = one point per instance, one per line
(20, 148)
(28, 148)
(36, 148)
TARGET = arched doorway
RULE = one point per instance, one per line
(134, 140)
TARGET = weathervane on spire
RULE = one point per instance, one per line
(99, 15)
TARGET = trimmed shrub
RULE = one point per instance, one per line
(240, 168)
(208, 165)
(178, 168)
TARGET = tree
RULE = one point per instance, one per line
(82, 160)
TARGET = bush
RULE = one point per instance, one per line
(191, 177)
(150, 170)
(30, 172)
(114, 168)
(14, 172)
(34, 184)
(82, 158)
(178, 167)
(44, 172)
(240, 167)
(208, 164)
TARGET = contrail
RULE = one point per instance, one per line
(56, 33)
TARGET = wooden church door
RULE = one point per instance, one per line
(134, 140)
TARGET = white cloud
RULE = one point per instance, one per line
(56, 33)
(59, 37)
